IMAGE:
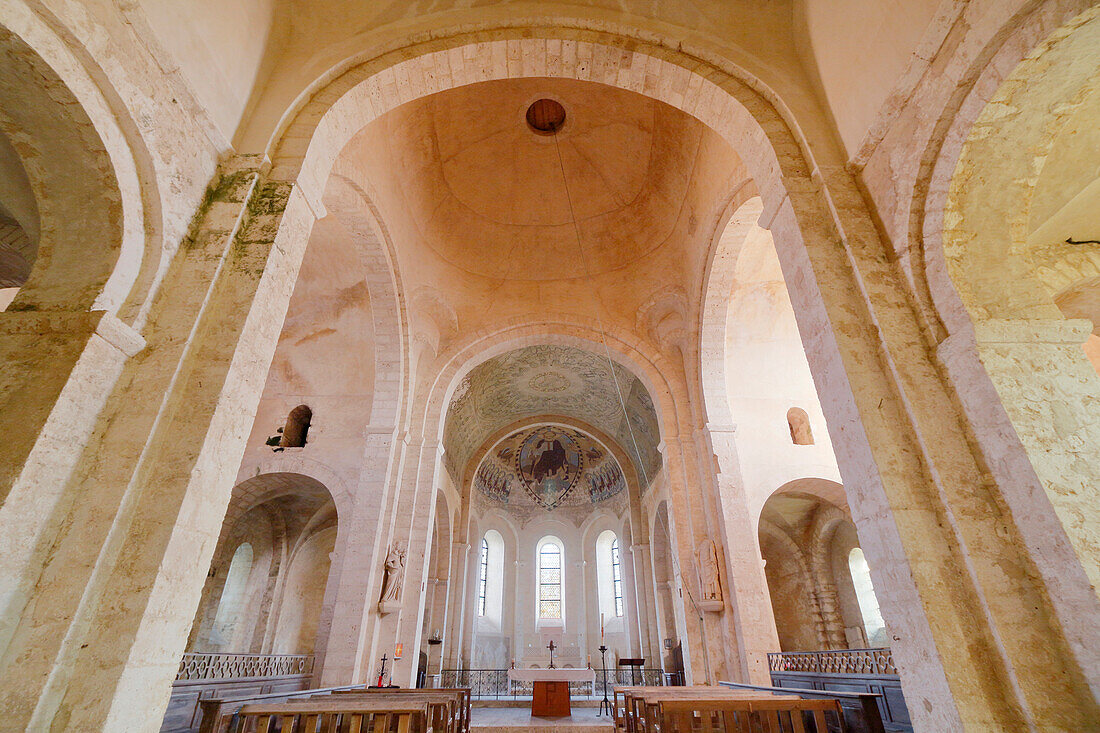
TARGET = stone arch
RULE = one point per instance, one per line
(345, 200)
(1029, 416)
(279, 514)
(794, 554)
(858, 286)
(88, 185)
(826, 520)
(743, 213)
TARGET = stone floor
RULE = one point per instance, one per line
(516, 719)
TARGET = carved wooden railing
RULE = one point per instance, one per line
(198, 666)
(841, 661)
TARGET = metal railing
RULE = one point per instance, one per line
(494, 683)
(202, 666)
(840, 661)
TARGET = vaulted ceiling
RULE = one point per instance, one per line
(551, 380)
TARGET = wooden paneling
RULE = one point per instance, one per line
(183, 714)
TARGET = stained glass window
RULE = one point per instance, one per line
(617, 577)
(550, 581)
(483, 579)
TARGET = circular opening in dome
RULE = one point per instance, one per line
(546, 116)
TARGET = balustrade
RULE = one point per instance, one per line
(203, 666)
(841, 661)
(494, 683)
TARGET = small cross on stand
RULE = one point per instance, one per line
(551, 647)
(382, 671)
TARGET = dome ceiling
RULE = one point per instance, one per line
(550, 380)
(491, 196)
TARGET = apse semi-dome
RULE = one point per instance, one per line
(549, 466)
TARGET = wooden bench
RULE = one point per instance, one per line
(448, 709)
(747, 715)
(217, 713)
(333, 715)
(640, 704)
(713, 709)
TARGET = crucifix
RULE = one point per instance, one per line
(382, 672)
(551, 647)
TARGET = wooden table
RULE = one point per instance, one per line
(550, 694)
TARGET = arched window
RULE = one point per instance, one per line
(550, 580)
(799, 423)
(483, 579)
(489, 599)
(865, 596)
(296, 428)
(609, 575)
(617, 577)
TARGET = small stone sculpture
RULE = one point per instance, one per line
(709, 575)
(395, 573)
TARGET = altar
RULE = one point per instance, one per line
(550, 693)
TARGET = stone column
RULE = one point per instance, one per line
(58, 369)
(977, 632)
(98, 643)
(454, 634)
(414, 523)
(642, 576)
(748, 596)
(360, 578)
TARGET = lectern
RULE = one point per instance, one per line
(635, 664)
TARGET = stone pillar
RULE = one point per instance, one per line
(414, 523)
(97, 645)
(459, 601)
(748, 596)
(979, 639)
(642, 576)
(437, 620)
(58, 369)
(359, 581)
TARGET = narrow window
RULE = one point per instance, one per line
(483, 579)
(799, 423)
(549, 581)
(617, 577)
(297, 426)
(873, 624)
(232, 599)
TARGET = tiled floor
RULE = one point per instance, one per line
(514, 720)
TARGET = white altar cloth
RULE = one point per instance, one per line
(553, 675)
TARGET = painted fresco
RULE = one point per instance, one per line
(548, 463)
(549, 467)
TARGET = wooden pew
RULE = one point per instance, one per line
(448, 709)
(466, 699)
(333, 715)
(777, 716)
(641, 704)
(217, 713)
(747, 714)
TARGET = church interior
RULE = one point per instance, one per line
(593, 365)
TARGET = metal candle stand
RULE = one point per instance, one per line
(605, 703)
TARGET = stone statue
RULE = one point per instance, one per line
(395, 573)
(708, 572)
